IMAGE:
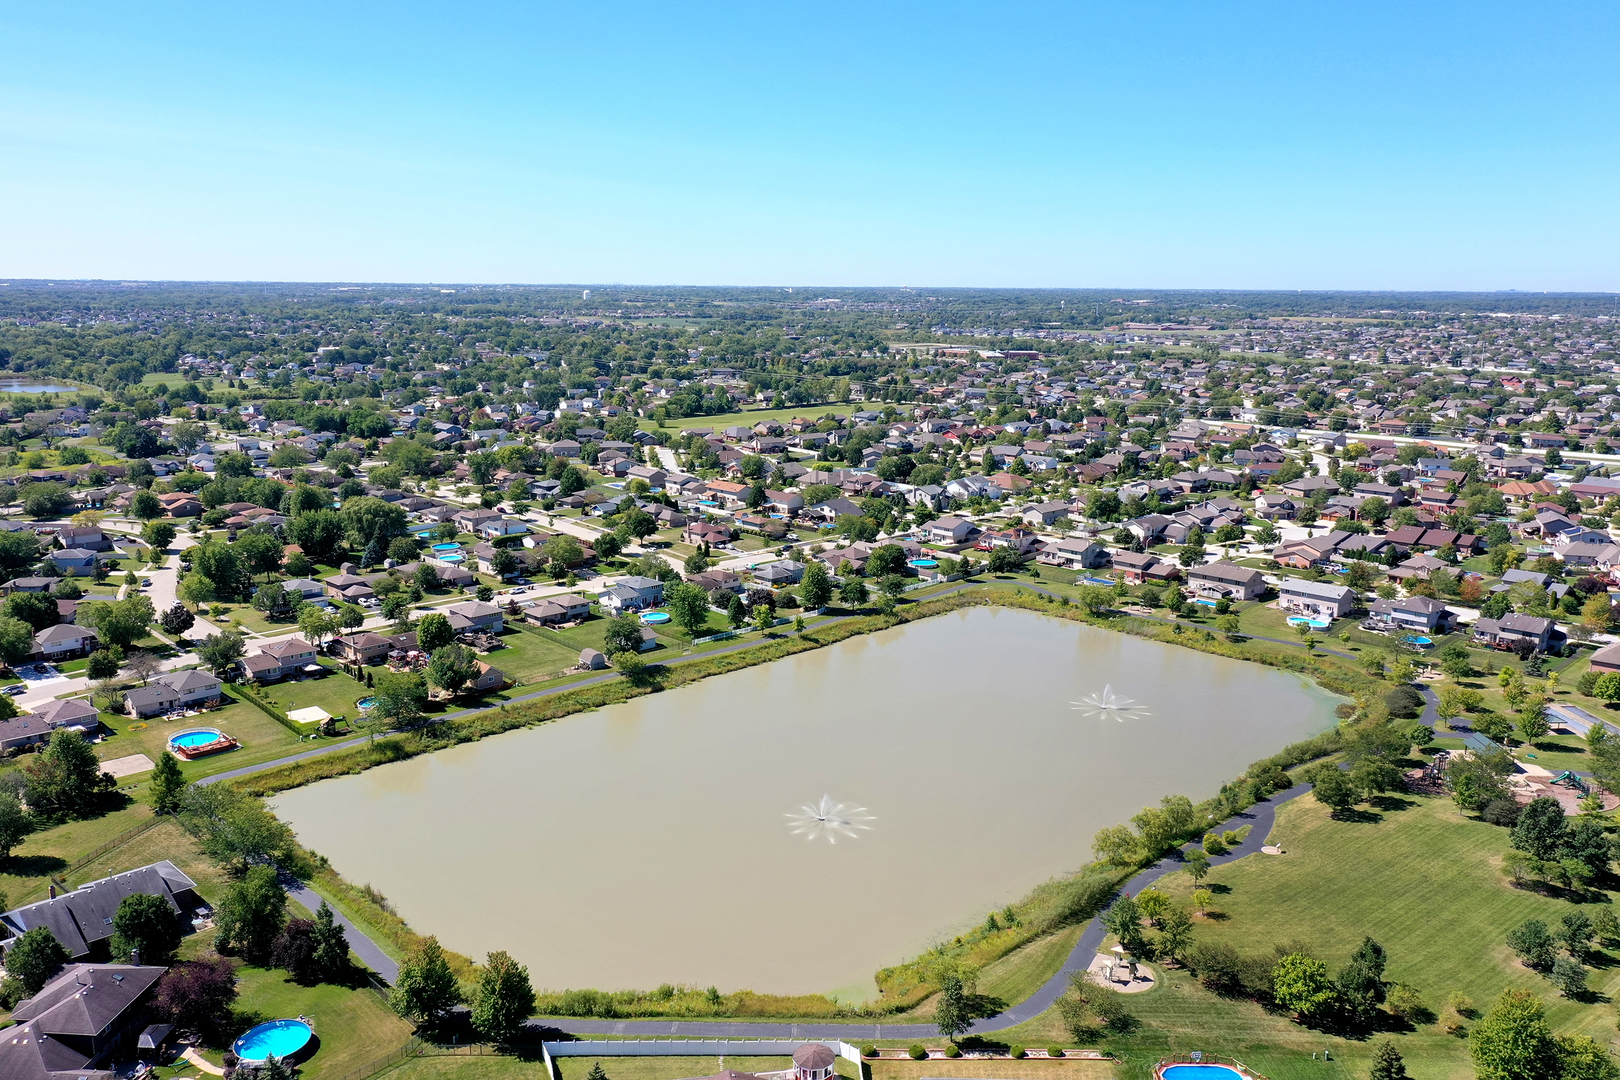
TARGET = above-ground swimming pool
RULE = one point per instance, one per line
(277, 1039)
(446, 547)
(923, 564)
(200, 742)
(1201, 1072)
(452, 558)
(1302, 620)
(653, 618)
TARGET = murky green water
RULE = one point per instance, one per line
(651, 841)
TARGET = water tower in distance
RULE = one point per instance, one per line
(813, 1061)
(586, 295)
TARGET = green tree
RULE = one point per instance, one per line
(1334, 789)
(16, 640)
(220, 651)
(1533, 943)
(622, 635)
(16, 823)
(1175, 934)
(145, 505)
(158, 534)
(689, 605)
(1513, 1040)
(763, 618)
(251, 914)
(35, 958)
(65, 780)
(451, 668)
(1541, 830)
(149, 924)
(1387, 1063)
(331, 954)
(434, 632)
(1580, 1057)
(119, 622)
(1301, 984)
(852, 592)
(503, 998)
(167, 785)
(426, 988)
(815, 588)
(401, 697)
(951, 1011)
(320, 533)
(234, 829)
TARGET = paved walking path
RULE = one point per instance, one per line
(366, 949)
(1261, 817)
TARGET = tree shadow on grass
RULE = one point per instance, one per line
(34, 865)
(1391, 803)
(1357, 817)
(1216, 887)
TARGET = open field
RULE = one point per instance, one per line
(751, 417)
(1416, 875)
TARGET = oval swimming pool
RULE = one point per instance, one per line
(654, 618)
(446, 547)
(922, 564)
(196, 737)
(278, 1039)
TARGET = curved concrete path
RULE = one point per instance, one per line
(1261, 817)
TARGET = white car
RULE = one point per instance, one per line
(16, 688)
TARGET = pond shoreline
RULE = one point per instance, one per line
(570, 701)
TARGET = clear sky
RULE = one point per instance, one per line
(1290, 145)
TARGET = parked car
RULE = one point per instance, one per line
(15, 689)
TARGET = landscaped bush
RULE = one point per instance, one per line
(1018, 1052)
(1501, 812)
(1054, 1051)
(917, 1052)
(953, 1051)
(868, 1050)
(1404, 702)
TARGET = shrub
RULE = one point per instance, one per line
(953, 1051)
(1406, 1003)
(868, 1050)
(1503, 812)
(1054, 1051)
(1018, 1052)
(1218, 968)
(1404, 702)
(917, 1052)
(1460, 1003)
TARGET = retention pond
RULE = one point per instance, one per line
(680, 837)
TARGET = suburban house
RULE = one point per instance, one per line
(80, 1021)
(703, 532)
(777, 574)
(179, 504)
(304, 588)
(360, 647)
(949, 530)
(82, 919)
(73, 562)
(1417, 613)
(89, 538)
(1044, 513)
(173, 690)
(1606, 659)
(71, 713)
(555, 610)
(1515, 632)
(1226, 580)
(633, 594)
(490, 528)
(1073, 554)
(64, 641)
(474, 616)
(1316, 599)
(280, 659)
(1136, 567)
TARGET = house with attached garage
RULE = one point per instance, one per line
(632, 594)
(81, 920)
(64, 642)
(71, 713)
(1515, 632)
(280, 659)
(173, 690)
(1074, 554)
(73, 562)
(1416, 613)
(1315, 599)
(1226, 580)
(474, 616)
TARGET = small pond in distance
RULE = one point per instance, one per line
(651, 841)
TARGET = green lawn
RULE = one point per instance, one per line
(534, 654)
(335, 692)
(1420, 878)
(262, 738)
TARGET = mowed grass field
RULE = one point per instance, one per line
(1420, 878)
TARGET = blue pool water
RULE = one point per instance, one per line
(1201, 1072)
(452, 558)
(199, 737)
(655, 617)
(278, 1038)
(1206, 603)
(1300, 620)
(367, 702)
(446, 547)
(922, 564)
(1418, 640)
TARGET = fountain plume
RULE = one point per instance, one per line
(829, 819)
(1107, 705)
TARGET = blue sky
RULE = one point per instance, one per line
(1407, 146)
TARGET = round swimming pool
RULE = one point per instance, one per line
(1201, 1072)
(653, 618)
(923, 564)
(446, 547)
(452, 558)
(278, 1039)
